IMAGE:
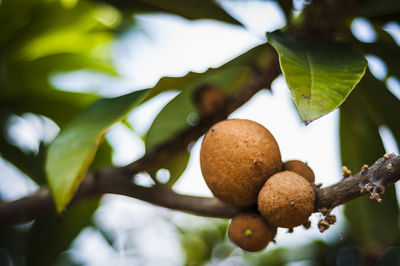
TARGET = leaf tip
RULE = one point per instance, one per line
(307, 122)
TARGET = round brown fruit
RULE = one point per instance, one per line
(286, 200)
(250, 232)
(300, 168)
(237, 156)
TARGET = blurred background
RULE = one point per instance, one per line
(58, 56)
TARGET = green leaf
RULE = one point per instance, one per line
(229, 78)
(320, 74)
(50, 235)
(172, 119)
(176, 115)
(287, 8)
(381, 104)
(361, 144)
(257, 57)
(388, 52)
(386, 10)
(176, 167)
(71, 153)
(181, 112)
(29, 163)
(190, 9)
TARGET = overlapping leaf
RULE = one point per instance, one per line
(320, 74)
(190, 9)
(50, 236)
(71, 153)
(370, 106)
(182, 112)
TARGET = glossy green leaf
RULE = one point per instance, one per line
(320, 74)
(360, 144)
(71, 153)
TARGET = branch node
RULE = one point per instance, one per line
(307, 225)
(331, 219)
(323, 226)
(375, 190)
(290, 230)
(345, 171)
(364, 169)
(369, 187)
(387, 156)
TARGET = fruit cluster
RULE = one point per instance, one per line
(241, 164)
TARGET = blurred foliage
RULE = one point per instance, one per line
(44, 37)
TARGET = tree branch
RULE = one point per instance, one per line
(95, 184)
(374, 179)
(370, 180)
(261, 78)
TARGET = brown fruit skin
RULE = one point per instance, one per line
(261, 232)
(237, 156)
(286, 200)
(300, 168)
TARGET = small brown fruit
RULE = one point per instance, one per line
(300, 168)
(286, 200)
(237, 156)
(250, 232)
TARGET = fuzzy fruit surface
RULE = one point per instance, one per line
(250, 232)
(300, 168)
(286, 200)
(237, 156)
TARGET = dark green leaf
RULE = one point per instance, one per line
(103, 157)
(361, 144)
(381, 104)
(190, 9)
(52, 234)
(257, 57)
(229, 78)
(181, 112)
(70, 155)
(177, 166)
(389, 52)
(320, 74)
(29, 163)
(385, 11)
(172, 119)
(287, 8)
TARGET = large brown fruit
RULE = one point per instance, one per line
(300, 168)
(286, 200)
(250, 232)
(237, 157)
